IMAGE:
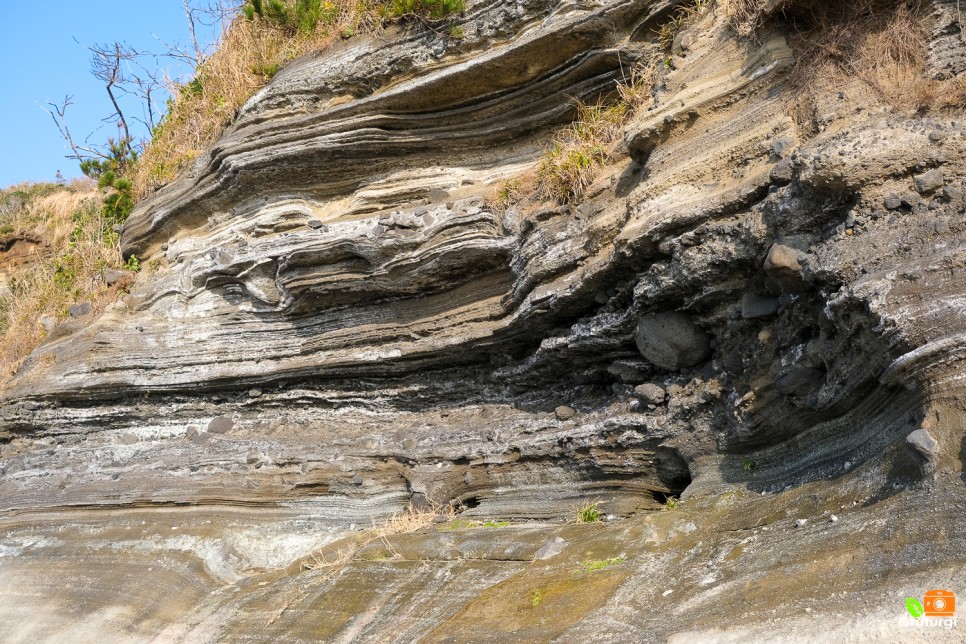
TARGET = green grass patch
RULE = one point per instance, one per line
(600, 564)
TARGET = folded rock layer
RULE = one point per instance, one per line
(746, 310)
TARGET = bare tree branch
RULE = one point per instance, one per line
(58, 113)
(189, 12)
(106, 65)
(131, 75)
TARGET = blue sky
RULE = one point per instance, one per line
(42, 61)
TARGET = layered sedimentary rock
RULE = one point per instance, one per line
(747, 310)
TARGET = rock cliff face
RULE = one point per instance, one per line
(761, 314)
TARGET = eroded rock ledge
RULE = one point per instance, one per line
(749, 311)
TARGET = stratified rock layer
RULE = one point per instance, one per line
(343, 324)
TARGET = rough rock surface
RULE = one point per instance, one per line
(418, 346)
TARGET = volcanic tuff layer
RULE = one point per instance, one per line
(747, 309)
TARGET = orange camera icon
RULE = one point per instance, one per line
(939, 603)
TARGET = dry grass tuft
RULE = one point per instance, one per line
(682, 17)
(880, 42)
(251, 52)
(747, 16)
(54, 249)
(579, 152)
(412, 520)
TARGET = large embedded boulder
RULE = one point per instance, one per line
(672, 341)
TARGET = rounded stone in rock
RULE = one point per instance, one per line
(315, 224)
(783, 173)
(112, 276)
(564, 412)
(892, 202)
(254, 392)
(923, 443)
(220, 425)
(784, 265)
(910, 200)
(928, 181)
(79, 310)
(782, 145)
(672, 341)
(650, 393)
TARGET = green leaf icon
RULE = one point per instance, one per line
(914, 606)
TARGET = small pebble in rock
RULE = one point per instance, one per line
(666, 593)
(833, 519)
(928, 181)
(892, 202)
(564, 412)
(801, 523)
(650, 393)
(220, 425)
(255, 392)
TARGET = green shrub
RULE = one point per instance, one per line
(301, 17)
(109, 173)
(431, 9)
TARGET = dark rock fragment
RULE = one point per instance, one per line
(800, 381)
(758, 306)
